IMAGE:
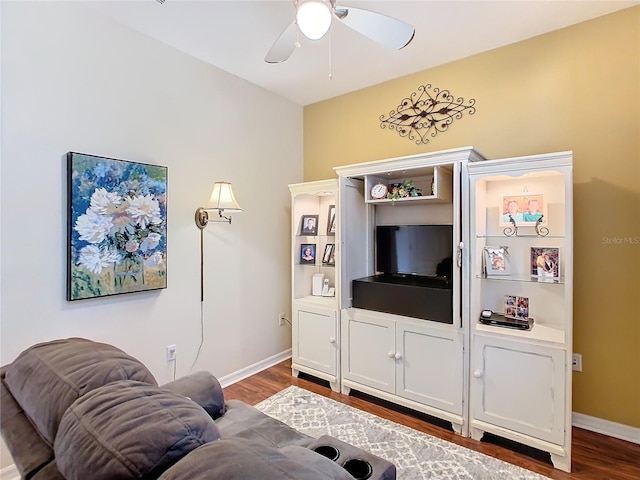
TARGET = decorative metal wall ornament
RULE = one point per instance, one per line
(512, 230)
(426, 113)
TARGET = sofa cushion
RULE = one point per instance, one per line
(244, 421)
(243, 459)
(127, 430)
(66, 369)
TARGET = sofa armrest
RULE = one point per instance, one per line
(203, 388)
(28, 450)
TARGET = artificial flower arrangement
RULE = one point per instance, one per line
(403, 190)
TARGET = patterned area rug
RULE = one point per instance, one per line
(415, 454)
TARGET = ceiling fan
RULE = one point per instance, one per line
(314, 17)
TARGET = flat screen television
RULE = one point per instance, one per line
(423, 250)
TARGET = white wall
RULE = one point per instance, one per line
(74, 81)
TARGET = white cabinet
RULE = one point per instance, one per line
(414, 363)
(315, 254)
(315, 347)
(369, 351)
(481, 376)
(518, 387)
(520, 384)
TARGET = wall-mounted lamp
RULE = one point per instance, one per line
(222, 200)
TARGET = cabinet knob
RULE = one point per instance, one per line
(332, 340)
(477, 373)
(391, 355)
(397, 356)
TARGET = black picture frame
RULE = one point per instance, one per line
(116, 226)
(309, 225)
(328, 253)
(307, 257)
(331, 220)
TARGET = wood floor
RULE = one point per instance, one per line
(595, 456)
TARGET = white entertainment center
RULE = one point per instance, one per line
(445, 360)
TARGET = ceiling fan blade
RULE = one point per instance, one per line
(385, 30)
(284, 46)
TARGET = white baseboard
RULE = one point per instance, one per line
(612, 429)
(253, 369)
(9, 473)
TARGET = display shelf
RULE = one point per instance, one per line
(313, 300)
(505, 237)
(315, 265)
(538, 332)
(523, 278)
(298, 235)
(315, 335)
(433, 182)
(421, 200)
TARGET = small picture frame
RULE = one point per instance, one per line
(308, 253)
(309, 225)
(332, 256)
(523, 210)
(516, 307)
(545, 263)
(496, 261)
(328, 253)
(331, 220)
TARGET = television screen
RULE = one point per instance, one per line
(425, 250)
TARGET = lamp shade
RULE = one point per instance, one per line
(222, 198)
(313, 18)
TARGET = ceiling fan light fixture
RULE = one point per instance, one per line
(313, 18)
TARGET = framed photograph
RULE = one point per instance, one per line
(308, 253)
(516, 307)
(332, 256)
(331, 221)
(524, 210)
(545, 263)
(496, 261)
(116, 226)
(328, 253)
(309, 225)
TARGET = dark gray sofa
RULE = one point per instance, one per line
(76, 409)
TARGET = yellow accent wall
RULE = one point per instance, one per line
(573, 89)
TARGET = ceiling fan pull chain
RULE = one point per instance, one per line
(330, 44)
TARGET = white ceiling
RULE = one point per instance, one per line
(235, 36)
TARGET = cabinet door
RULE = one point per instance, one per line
(356, 248)
(369, 356)
(315, 340)
(519, 387)
(429, 366)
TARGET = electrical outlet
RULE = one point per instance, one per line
(282, 319)
(171, 353)
(576, 362)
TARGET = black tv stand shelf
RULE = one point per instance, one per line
(427, 298)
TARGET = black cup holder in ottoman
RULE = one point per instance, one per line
(359, 469)
(332, 453)
(360, 464)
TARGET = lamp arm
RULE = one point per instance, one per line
(202, 217)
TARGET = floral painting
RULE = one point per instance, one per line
(117, 226)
